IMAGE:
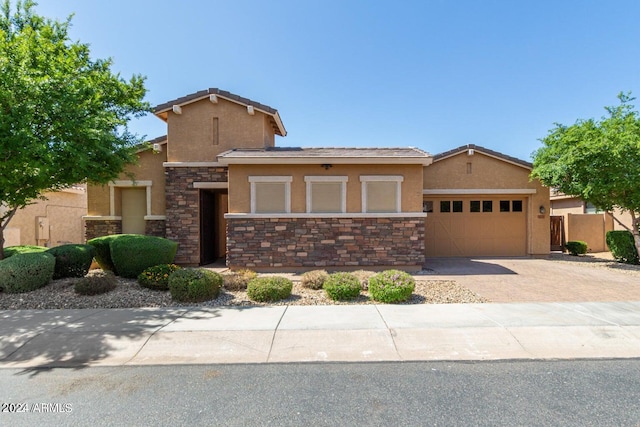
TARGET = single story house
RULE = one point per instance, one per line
(219, 186)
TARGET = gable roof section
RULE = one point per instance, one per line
(485, 151)
(297, 155)
(162, 110)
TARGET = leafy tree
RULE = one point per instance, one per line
(598, 161)
(63, 116)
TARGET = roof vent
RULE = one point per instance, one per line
(470, 152)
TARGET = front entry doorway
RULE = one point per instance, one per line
(213, 234)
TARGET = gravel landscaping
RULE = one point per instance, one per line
(59, 294)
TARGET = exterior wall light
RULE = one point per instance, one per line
(542, 210)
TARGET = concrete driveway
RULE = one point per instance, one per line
(555, 279)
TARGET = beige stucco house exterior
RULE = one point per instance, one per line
(54, 221)
(219, 186)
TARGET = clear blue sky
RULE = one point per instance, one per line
(425, 73)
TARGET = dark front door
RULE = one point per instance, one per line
(208, 227)
(557, 233)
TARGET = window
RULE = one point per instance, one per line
(270, 194)
(516, 206)
(326, 194)
(505, 206)
(457, 205)
(590, 208)
(445, 206)
(381, 193)
(474, 206)
(427, 206)
(449, 206)
(487, 206)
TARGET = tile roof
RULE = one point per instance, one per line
(161, 109)
(483, 150)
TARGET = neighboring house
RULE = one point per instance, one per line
(219, 186)
(575, 219)
(51, 222)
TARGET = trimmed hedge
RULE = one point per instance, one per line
(194, 285)
(130, 254)
(273, 288)
(23, 249)
(391, 286)
(24, 272)
(622, 246)
(314, 279)
(342, 286)
(72, 260)
(157, 277)
(98, 283)
(576, 247)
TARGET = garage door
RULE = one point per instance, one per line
(475, 226)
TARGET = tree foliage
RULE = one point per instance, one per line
(597, 160)
(63, 115)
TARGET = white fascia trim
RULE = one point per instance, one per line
(101, 218)
(310, 179)
(476, 150)
(472, 191)
(278, 160)
(211, 185)
(192, 164)
(286, 180)
(327, 215)
(155, 217)
(398, 179)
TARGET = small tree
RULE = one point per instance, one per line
(63, 116)
(598, 161)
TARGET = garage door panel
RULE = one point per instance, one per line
(476, 233)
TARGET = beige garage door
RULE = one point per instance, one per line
(475, 226)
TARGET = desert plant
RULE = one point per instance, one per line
(363, 276)
(576, 247)
(102, 254)
(238, 280)
(314, 279)
(271, 288)
(622, 247)
(24, 272)
(97, 283)
(72, 260)
(342, 286)
(194, 285)
(391, 286)
(157, 277)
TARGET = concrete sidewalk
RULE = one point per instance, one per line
(113, 337)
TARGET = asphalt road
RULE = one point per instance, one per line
(532, 393)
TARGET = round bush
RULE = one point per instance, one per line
(72, 260)
(133, 253)
(576, 247)
(272, 288)
(23, 249)
(157, 277)
(24, 272)
(95, 284)
(391, 286)
(102, 254)
(194, 285)
(314, 279)
(342, 286)
(622, 246)
(238, 280)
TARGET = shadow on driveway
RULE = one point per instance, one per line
(466, 266)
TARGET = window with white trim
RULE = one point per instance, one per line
(326, 194)
(381, 193)
(270, 194)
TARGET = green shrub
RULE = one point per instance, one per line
(23, 249)
(576, 247)
(272, 288)
(24, 272)
(238, 280)
(72, 260)
(342, 286)
(102, 251)
(194, 285)
(391, 286)
(622, 246)
(314, 279)
(96, 283)
(157, 277)
(363, 276)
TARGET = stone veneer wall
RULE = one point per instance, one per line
(325, 242)
(102, 227)
(155, 227)
(183, 208)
